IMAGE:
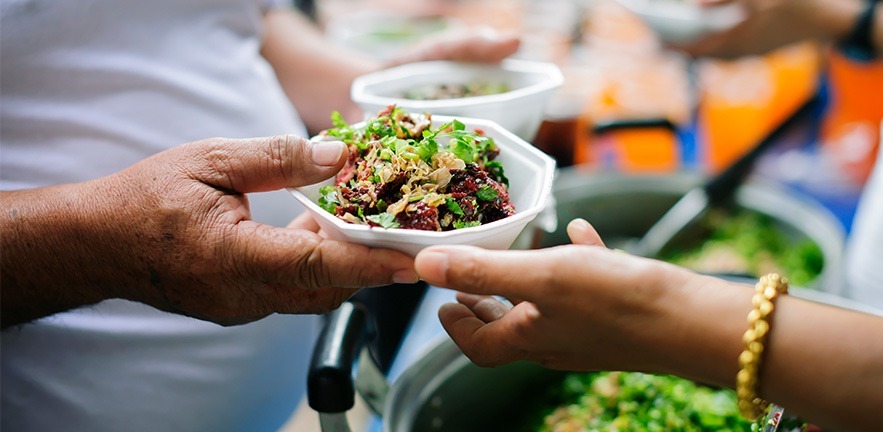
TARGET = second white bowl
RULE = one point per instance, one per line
(519, 110)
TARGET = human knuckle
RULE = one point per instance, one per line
(310, 265)
(471, 272)
(279, 155)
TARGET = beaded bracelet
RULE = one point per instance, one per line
(751, 406)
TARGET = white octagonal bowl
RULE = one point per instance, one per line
(530, 174)
(519, 110)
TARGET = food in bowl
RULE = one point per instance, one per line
(749, 243)
(404, 173)
(455, 91)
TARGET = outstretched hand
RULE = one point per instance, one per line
(577, 307)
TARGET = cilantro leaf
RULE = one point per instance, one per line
(384, 219)
(338, 121)
(454, 207)
(426, 149)
(463, 149)
(487, 193)
(458, 224)
(495, 169)
(328, 201)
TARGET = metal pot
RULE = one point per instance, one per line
(444, 391)
(623, 207)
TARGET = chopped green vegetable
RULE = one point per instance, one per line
(495, 169)
(632, 401)
(486, 193)
(749, 243)
(385, 220)
(328, 199)
(466, 224)
(454, 207)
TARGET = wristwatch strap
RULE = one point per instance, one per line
(858, 44)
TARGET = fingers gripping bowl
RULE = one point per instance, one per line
(528, 171)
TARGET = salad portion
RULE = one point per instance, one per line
(404, 173)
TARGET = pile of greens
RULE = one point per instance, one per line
(633, 401)
(750, 243)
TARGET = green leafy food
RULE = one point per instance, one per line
(454, 207)
(496, 171)
(632, 401)
(404, 173)
(328, 201)
(486, 193)
(466, 224)
(385, 220)
(752, 244)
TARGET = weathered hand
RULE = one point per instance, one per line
(174, 231)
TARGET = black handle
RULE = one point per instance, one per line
(722, 186)
(330, 386)
(636, 123)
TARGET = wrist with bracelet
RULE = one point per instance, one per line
(768, 288)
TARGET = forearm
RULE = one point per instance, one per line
(57, 250)
(45, 233)
(825, 363)
(817, 363)
(315, 74)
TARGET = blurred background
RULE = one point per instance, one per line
(629, 104)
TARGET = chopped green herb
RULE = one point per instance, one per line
(385, 220)
(328, 199)
(486, 193)
(458, 224)
(454, 207)
(495, 169)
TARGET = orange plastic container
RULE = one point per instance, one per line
(743, 100)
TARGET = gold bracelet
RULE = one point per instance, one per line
(751, 406)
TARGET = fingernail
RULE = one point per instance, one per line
(433, 266)
(577, 227)
(405, 277)
(531, 311)
(578, 224)
(327, 153)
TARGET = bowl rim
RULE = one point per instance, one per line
(552, 73)
(546, 174)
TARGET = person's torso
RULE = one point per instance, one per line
(87, 88)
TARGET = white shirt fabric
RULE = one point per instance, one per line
(87, 88)
(864, 252)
